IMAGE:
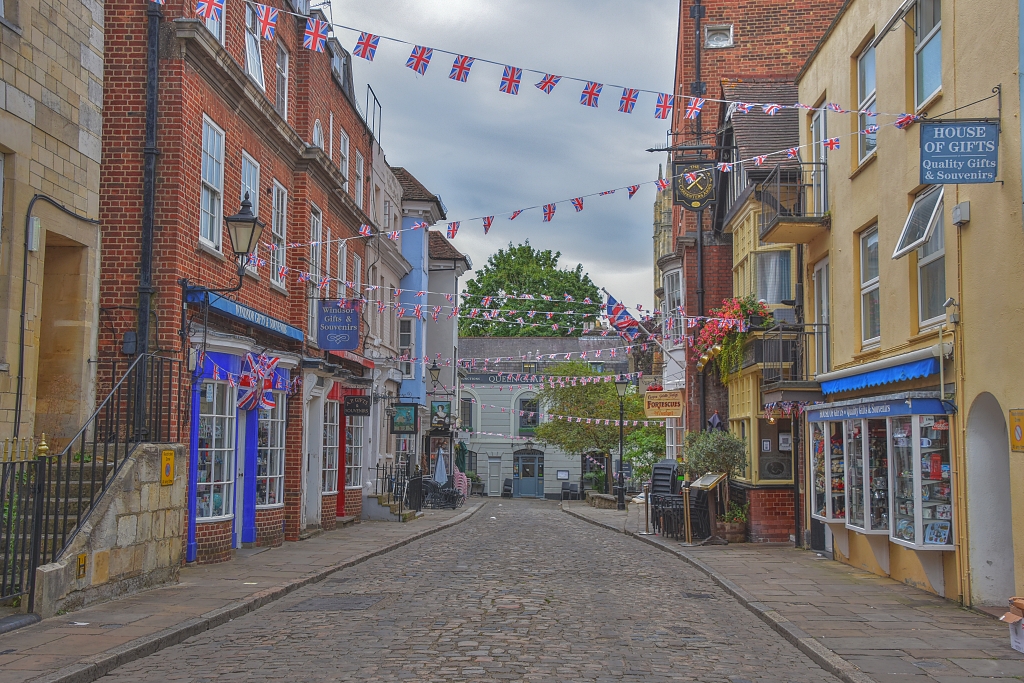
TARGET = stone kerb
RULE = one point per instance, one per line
(603, 501)
(132, 541)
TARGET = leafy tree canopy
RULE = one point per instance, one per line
(594, 400)
(519, 270)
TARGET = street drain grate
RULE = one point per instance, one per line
(340, 603)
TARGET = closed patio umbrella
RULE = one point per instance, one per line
(440, 475)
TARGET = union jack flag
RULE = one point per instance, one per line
(619, 318)
(549, 212)
(418, 311)
(835, 107)
(725, 167)
(365, 230)
(662, 184)
(743, 107)
(421, 293)
(663, 109)
(366, 46)
(515, 214)
(629, 97)
(281, 272)
(393, 235)
(792, 152)
(870, 130)
(208, 9)
(315, 36)
(693, 107)
(419, 60)
(258, 383)
(578, 204)
(632, 190)
(759, 160)
(548, 83)
(771, 109)
(450, 297)
(267, 18)
(488, 221)
(568, 297)
(510, 80)
(591, 91)
(904, 120)
(460, 68)
(216, 372)
(399, 311)
(803, 106)
(434, 311)
(324, 282)
(690, 177)
(303, 277)
(453, 229)
(831, 144)
(601, 194)
(417, 226)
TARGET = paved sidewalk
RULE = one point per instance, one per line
(84, 645)
(859, 626)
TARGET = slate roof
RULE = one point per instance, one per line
(413, 190)
(757, 133)
(440, 248)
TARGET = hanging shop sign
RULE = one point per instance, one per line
(243, 313)
(914, 406)
(693, 185)
(959, 152)
(404, 419)
(440, 414)
(357, 406)
(337, 327)
(663, 403)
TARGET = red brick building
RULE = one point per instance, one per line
(740, 39)
(239, 114)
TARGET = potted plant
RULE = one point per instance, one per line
(733, 524)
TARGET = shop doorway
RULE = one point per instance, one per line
(313, 461)
(239, 490)
(528, 474)
(493, 477)
(988, 503)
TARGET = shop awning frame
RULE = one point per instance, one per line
(901, 368)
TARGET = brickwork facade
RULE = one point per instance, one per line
(213, 542)
(771, 515)
(353, 503)
(329, 511)
(269, 527)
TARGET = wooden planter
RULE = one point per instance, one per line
(734, 532)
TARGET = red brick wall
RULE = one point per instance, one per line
(328, 511)
(213, 542)
(771, 515)
(269, 527)
(354, 503)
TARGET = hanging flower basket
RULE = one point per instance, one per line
(720, 331)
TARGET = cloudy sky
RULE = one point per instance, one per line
(486, 152)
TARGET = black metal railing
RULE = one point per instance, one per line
(144, 406)
(794, 190)
(794, 353)
(391, 484)
(21, 490)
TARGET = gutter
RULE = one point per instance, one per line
(920, 354)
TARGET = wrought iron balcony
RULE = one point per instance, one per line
(794, 203)
(793, 357)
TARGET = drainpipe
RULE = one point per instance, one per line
(150, 152)
(24, 296)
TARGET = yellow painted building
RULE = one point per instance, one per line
(909, 471)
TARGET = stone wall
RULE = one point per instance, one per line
(133, 540)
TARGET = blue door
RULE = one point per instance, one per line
(530, 480)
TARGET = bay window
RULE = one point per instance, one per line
(270, 454)
(215, 476)
(332, 423)
(353, 451)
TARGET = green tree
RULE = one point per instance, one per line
(595, 399)
(645, 447)
(714, 451)
(520, 270)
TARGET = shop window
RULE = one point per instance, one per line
(353, 452)
(216, 470)
(406, 347)
(270, 454)
(528, 417)
(281, 85)
(870, 307)
(829, 471)
(278, 233)
(867, 477)
(927, 49)
(253, 51)
(405, 450)
(332, 423)
(931, 276)
(211, 199)
(471, 461)
(866, 100)
(922, 482)
(466, 415)
(774, 276)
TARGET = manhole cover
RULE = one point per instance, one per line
(340, 603)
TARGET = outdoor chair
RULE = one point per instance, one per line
(566, 491)
(574, 492)
(506, 489)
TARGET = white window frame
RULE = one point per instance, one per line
(216, 26)
(866, 142)
(407, 367)
(318, 134)
(212, 174)
(715, 28)
(316, 225)
(342, 267)
(819, 172)
(250, 182)
(924, 260)
(357, 275)
(253, 46)
(343, 158)
(281, 77)
(270, 454)
(226, 484)
(867, 286)
(327, 257)
(360, 180)
(332, 427)
(760, 257)
(278, 233)
(338, 65)
(354, 433)
(386, 222)
(920, 44)
(904, 249)
(2, 10)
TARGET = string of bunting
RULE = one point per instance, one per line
(572, 418)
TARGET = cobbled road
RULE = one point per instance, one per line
(520, 591)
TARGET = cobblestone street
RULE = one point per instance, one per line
(520, 591)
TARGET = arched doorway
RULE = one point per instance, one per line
(988, 503)
(528, 473)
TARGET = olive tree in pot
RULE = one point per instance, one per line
(719, 451)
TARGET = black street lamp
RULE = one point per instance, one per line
(435, 373)
(620, 388)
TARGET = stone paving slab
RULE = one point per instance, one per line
(880, 629)
(84, 645)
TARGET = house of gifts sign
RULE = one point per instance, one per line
(959, 152)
